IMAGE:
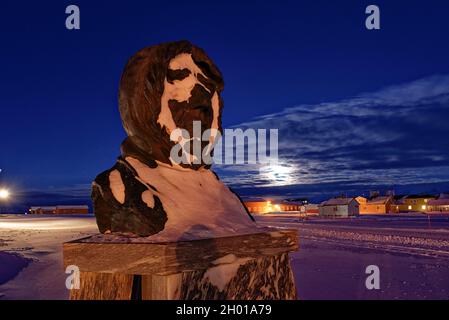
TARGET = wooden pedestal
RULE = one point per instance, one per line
(253, 266)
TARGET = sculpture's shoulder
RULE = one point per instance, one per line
(120, 173)
(117, 196)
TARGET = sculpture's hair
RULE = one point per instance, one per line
(141, 88)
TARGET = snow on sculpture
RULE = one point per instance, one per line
(146, 193)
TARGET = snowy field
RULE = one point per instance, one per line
(37, 240)
(411, 252)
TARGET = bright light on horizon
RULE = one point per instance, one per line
(278, 174)
(4, 194)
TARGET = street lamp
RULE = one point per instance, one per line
(4, 194)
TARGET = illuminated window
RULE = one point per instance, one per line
(410, 207)
(424, 207)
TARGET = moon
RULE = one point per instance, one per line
(278, 174)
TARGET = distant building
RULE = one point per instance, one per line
(312, 209)
(293, 205)
(376, 205)
(42, 210)
(398, 200)
(412, 203)
(361, 199)
(439, 205)
(59, 210)
(339, 207)
(261, 206)
(72, 209)
(256, 205)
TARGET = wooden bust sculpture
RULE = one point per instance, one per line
(165, 87)
(171, 229)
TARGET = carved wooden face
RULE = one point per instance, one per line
(189, 95)
(168, 87)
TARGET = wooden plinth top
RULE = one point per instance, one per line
(174, 257)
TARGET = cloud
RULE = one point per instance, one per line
(394, 136)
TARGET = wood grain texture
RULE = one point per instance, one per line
(157, 287)
(254, 266)
(174, 257)
(103, 286)
(267, 278)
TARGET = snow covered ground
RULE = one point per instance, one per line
(38, 240)
(411, 252)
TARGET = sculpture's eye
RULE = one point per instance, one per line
(177, 74)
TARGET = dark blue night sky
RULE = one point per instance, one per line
(356, 109)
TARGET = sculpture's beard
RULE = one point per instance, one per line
(197, 108)
(195, 116)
